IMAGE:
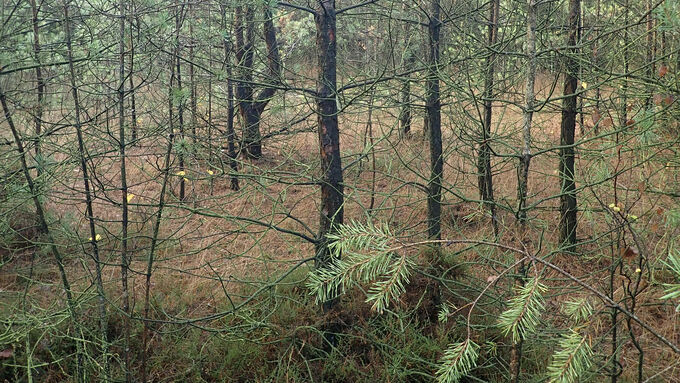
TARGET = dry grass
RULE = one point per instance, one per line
(210, 244)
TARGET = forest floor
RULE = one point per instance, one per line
(218, 246)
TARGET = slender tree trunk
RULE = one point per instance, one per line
(103, 325)
(192, 81)
(156, 228)
(180, 107)
(332, 197)
(124, 262)
(331, 182)
(133, 101)
(529, 99)
(568, 206)
(368, 136)
(44, 228)
(583, 92)
(231, 135)
(596, 61)
(485, 177)
(626, 65)
(244, 31)
(405, 115)
(41, 83)
(434, 187)
(650, 36)
(273, 62)
(614, 355)
(523, 170)
(210, 103)
(152, 251)
(252, 105)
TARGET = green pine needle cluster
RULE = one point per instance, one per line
(578, 310)
(524, 310)
(457, 361)
(571, 360)
(673, 289)
(362, 255)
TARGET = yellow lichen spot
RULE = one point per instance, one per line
(186, 179)
(584, 85)
(632, 217)
(181, 173)
(616, 209)
(96, 238)
(668, 164)
(612, 205)
(210, 172)
(130, 196)
(638, 270)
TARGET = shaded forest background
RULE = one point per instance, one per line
(339, 191)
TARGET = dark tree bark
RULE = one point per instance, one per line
(192, 81)
(40, 81)
(133, 101)
(651, 48)
(596, 61)
(433, 105)
(180, 107)
(485, 177)
(332, 198)
(252, 105)
(124, 191)
(623, 114)
(568, 206)
(529, 99)
(405, 112)
(231, 135)
(405, 115)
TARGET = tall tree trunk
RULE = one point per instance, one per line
(584, 91)
(152, 252)
(41, 83)
(103, 324)
(523, 170)
(244, 31)
(485, 177)
(568, 206)
(133, 102)
(529, 99)
(405, 117)
(192, 80)
(231, 135)
(124, 262)
(331, 182)
(433, 104)
(332, 198)
(251, 106)
(651, 41)
(596, 61)
(626, 65)
(179, 10)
